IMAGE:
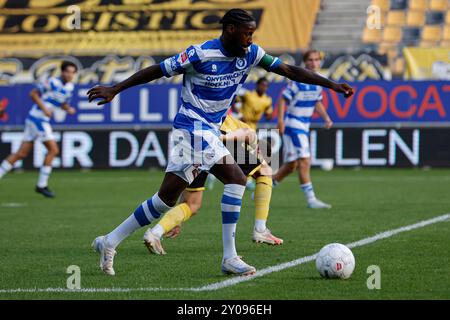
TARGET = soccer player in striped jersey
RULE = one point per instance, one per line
(249, 153)
(50, 94)
(302, 100)
(212, 74)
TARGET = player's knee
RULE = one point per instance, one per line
(21, 155)
(195, 207)
(266, 170)
(239, 178)
(55, 151)
(168, 199)
(304, 163)
(291, 166)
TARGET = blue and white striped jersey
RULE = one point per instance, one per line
(53, 93)
(211, 78)
(302, 99)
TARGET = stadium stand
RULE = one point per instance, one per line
(424, 23)
(339, 26)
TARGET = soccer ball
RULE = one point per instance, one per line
(327, 165)
(335, 261)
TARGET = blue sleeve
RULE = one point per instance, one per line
(44, 86)
(288, 93)
(180, 63)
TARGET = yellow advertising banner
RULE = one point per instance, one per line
(427, 63)
(136, 27)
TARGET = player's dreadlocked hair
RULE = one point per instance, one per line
(236, 17)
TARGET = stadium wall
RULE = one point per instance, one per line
(375, 103)
(386, 123)
(345, 147)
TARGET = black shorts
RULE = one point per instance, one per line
(246, 157)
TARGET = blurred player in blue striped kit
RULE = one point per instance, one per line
(50, 94)
(302, 100)
(212, 72)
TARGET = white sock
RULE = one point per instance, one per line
(260, 225)
(308, 190)
(5, 167)
(158, 231)
(143, 215)
(44, 174)
(231, 207)
(229, 241)
(115, 237)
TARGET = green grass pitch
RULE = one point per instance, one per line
(40, 238)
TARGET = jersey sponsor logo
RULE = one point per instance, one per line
(184, 57)
(241, 63)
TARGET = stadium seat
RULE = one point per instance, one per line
(447, 17)
(371, 35)
(434, 17)
(428, 44)
(392, 53)
(438, 5)
(399, 4)
(411, 35)
(383, 4)
(446, 33)
(418, 5)
(392, 34)
(431, 33)
(415, 18)
(396, 18)
(385, 47)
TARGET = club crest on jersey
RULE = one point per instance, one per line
(214, 68)
(241, 63)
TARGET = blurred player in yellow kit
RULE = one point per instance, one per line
(245, 146)
(251, 106)
(255, 103)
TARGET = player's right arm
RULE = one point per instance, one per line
(36, 97)
(108, 93)
(177, 64)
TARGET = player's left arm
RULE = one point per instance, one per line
(320, 108)
(303, 75)
(108, 93)
(67, 108)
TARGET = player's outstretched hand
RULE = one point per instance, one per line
(344, 89)
(101, 92)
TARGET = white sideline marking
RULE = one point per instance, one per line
(13, 204)
(236, 280)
